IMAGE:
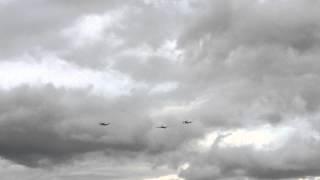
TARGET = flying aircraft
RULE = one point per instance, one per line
(186, 122)
(162, 127)
(104, 124)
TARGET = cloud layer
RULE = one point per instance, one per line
(245, 72)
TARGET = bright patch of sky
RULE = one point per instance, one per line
(164, 87)
(52, 70)
(90, 29)
(167, 177)
(179, 108)
(264, 137)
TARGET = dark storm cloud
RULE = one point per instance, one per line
(44, 126)
(53, 125)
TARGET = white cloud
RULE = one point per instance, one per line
(178, 108)
(90, 29)
(163, 87)
(170, 51)
(167, 177)
(52, 70)
(4, 2)
(264, 137)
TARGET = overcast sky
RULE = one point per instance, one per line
(245, 72)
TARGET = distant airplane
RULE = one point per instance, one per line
(162, 127)
(186, 122)
(104, 124)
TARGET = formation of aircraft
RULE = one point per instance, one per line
(161, 127)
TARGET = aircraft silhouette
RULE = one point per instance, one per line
(162, 127)
(104, 124)
(186, 122)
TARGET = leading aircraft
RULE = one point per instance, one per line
(104, 124)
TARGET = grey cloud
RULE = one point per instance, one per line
(36, 26)
(249, 22)
(143, 26)
(295, 159)
(45, 126)
(255, 63)
(28, 27)
(243, 64)
(54, 125)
